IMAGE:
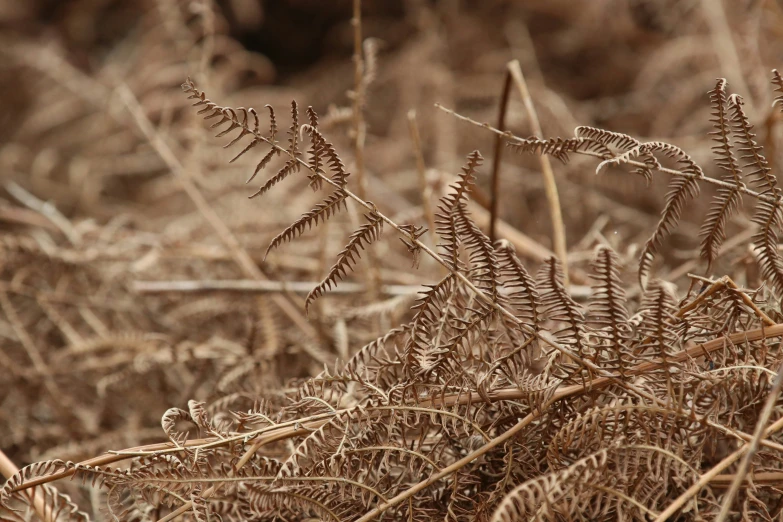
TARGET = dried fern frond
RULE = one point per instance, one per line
(315, 153)
(364, 235)
(560, 148)
(448, 208)
(499, 394)
(658, 324)
(621, 141)
(562, 491)
(484, 270)
(325, 152)
(57, 507)
(271, 139)
(621, 481)
(713, 231)
(290, 167)
(46, 502)
(608, 313)
(318, 214)
(768, 215)
(681, 190)
(369, 351)
(237, 119)
(427, 311)
(731, 128)
(777, 81)
(557, 305)
(522, 293)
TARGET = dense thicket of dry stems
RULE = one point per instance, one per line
(297, 364)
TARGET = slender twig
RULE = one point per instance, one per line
(297, 287)
(550, 185)
(262, 287)
(23, 216)
(359, 99)
(359, 126)
(7, 468)
(61, 297)
(764, 477)
(723, 282)
(496, 157)
(726, 50)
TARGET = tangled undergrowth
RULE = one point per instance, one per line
(475, 389)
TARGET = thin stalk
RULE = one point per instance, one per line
(360, 134)
(46, 209)
(725, 49)
(359, 126)
(261, 287)
(421, 171)
(550, 185)
(498, 153)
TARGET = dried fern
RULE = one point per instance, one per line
(713, 231)
(500, 397)
(365, 235)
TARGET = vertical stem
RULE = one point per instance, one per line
(499, 142)
(359, 129)
(323, 267)
(558, 229)
(726, 50)
(358, 98)
(208, 45)
(421, 170)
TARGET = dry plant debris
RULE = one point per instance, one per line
(178, 345)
